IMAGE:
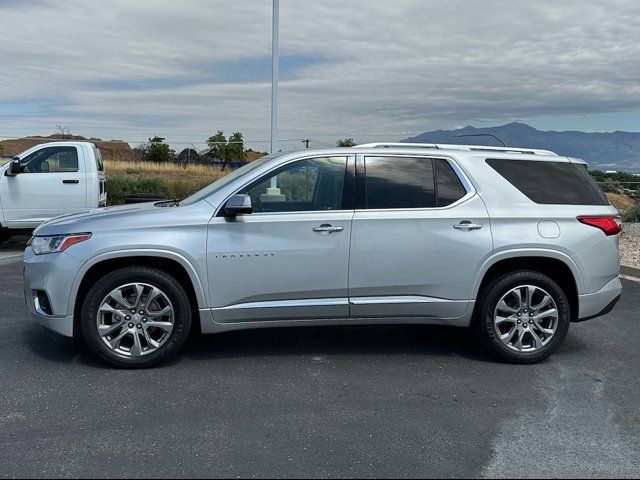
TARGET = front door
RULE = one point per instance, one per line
(51, 182)
(289, 258)
(419, 236)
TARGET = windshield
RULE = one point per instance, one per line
(226, 180)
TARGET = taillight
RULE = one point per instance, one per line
(610, 224)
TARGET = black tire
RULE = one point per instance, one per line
(137, 274)
(493, 293)
(5, 236)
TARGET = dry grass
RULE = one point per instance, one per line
(190, 173)
(167, 180)
(621, 202)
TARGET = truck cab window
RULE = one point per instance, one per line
(51, 160)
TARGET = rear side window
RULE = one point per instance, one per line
(399, 182)
(551, 183)
(404, 182)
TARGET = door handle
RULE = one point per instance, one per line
(467, 226)
(70, 181)
(327, 228)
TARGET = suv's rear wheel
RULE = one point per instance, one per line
(136, 317)
(523, 317)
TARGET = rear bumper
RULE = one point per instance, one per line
(600, 303)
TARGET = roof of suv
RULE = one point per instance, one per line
(470, 152)
(468, 148)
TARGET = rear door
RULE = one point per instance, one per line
(419, 236)
(51, 183)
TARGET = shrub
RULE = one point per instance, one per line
(610, 186)
(119, 186)
(632, 215)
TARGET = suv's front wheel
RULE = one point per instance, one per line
(136, 317)
(523, 317)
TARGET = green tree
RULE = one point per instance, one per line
(346, 142)
(187, 156)
(235, 148)
(226, 151)
(217, 145)
(156, 151)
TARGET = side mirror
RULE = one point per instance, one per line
(238, 205)
(14, 168)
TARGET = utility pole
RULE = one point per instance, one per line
(306, 143)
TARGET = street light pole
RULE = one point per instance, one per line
(274, 75)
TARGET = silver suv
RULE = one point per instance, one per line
(515, 243)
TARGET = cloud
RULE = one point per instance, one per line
(184, 69)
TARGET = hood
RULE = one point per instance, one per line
(109, 218)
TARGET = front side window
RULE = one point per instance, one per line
(226, 180)
(307, 185)
(51, 160)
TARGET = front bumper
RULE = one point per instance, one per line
(51, 275)
(600, 303)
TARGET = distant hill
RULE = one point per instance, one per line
(603, 151)
(111, 149)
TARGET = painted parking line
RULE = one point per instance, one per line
(16, 255)
(629, 277)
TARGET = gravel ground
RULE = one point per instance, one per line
(630, 245)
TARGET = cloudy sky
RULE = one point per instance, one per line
(373, 70)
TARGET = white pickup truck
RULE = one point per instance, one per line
(47, 181)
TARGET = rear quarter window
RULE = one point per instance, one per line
(449, 187)
(551, 183)
(99, 161)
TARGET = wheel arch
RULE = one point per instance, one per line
(100, 265)
(558, 266)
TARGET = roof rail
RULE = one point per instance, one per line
(406, 145)
(472, 148)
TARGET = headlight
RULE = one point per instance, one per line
(56, 243)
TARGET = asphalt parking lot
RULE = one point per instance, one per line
(320, 402)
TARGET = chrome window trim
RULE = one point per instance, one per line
(300, 212)
(462, 176)
(348, 156)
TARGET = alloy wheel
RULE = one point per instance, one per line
(135, 319)
(526, 318)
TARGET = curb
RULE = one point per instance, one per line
(630, 271)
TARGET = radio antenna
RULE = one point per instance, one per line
(483, 135)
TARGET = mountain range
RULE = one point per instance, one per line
(602, 151)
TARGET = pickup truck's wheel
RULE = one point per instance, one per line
(523, 317)
(4, 236)
(136, 317)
